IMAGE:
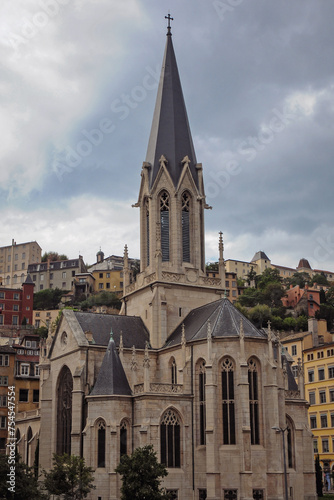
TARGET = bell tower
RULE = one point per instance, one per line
(171, 200)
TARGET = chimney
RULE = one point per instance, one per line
(313, 329)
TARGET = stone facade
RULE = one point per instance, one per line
(180, 368)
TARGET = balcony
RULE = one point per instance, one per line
(160, 388)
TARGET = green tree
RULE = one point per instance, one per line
(212, 266)
(297, 279)
(329, 296)
(48, 299)
(53, 256)
(141, 475)
(26, 484)
(42, 331)
(319, 279)
(260, 315)
(302, 323)
(251, 297)
(276, 322)
(289, 324)
(326, 312)
(109, 299)
(70, 477)
(268, 276)
(250, 276)
(273, 293)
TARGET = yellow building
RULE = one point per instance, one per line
(14, 261)
(319, 391)
(240, 267)
(44, 318)
(296, 343)
(316, 349)
(108, 280)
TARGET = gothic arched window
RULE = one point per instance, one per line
(123, 438)
(228, 410)
(186, 227)
(147, 222)
(29, 438)
(253, 401)
(290, 443)
(64, 411)
(170, 437)
(101, 443)
(164, 223)
(202, 402)
(173, 371)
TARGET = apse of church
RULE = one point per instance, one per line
(180, 368)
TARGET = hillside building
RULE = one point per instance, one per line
(14, 262)
(56, 274)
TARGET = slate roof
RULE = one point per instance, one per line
(224, 319)
(28, 280)
(132, 328)
(170, 133)
(259, 255)
(111, 379)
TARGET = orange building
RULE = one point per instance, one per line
(307, 299)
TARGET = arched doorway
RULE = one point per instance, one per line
(64, 411)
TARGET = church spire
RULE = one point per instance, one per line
(170, 133)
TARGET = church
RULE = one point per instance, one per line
(180, 368)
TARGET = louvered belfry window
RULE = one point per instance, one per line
(185, 227)
(164, 221)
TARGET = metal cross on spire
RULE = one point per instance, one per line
(169, 20)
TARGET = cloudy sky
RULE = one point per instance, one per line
(78, 86)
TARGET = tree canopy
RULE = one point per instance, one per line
(264, 303)
(69, 477)
(141, 475)
(109, 299)
(26, 484)
(211, 266)
(53, 256)
(48, 298)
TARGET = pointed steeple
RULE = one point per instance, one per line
(170, 133)
(111, 379)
